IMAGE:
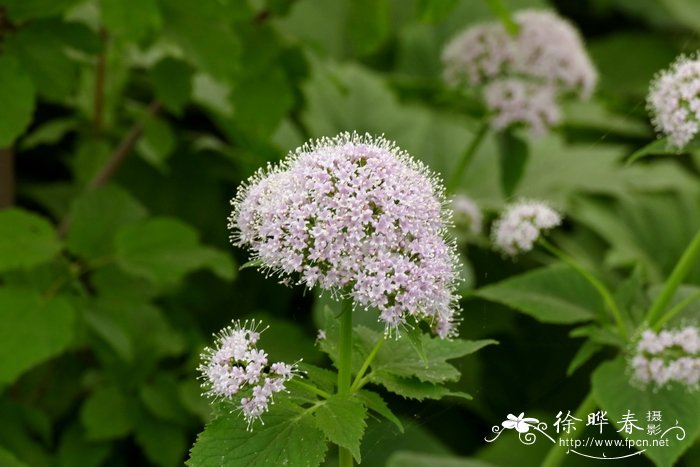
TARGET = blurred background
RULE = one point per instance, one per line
(126, 126)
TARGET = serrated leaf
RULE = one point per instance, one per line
(33, 330)
(554, 294)
(97, 216)
(164, 250)
(287, 438)
(374, 401)
(342, 420)
(615, 394)
(26, 240)
(512, 157)
(106, 414)
(415, 338)
(172, 83)
(587, 350)
(18, 98)
(413, 388)
(322, 378)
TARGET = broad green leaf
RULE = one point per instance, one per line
(161, 398)
(34, 330)
(75, 449)
(97, 216)
(367, 24)
(131, 19)
(39, 49)
(614, 393)
(513, 155)
(419, 459)
(165, 444)
(21, 10)
(164, 250)
(374, 402)
(26, 239)
(342, 420)
(324, 379)
(172, 83)
(18, 99)
(105, 327)
(553, 294)
(287, 438)
(413, 388)
(107, 414)
(587, 350)
(157, 143)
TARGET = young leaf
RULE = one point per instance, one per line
(33, 330)
(512, 157)
(554, 294)
(373, 401)
(614, 393)
(287, 438)
(342, 420)
(18, 100)
(26, 239)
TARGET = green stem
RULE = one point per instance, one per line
(310, 388)
(467, 157)
(557, 453)
(345, 368)
(677, 276)
(358, 379)
(600, 288)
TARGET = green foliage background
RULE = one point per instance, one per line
(113, 279)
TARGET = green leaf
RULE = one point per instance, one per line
(367, 24)
(26, 239)
(658, 146)
(165, 445)
(106, 414)
(97, 216)
(34, 330)
(172, 83)
(413, 388)
(342, 420)
(75, 449)
(112, 333)
(157, 143)
(583, 354)
(512, 157)
(21, 10)
(435, 10)
(18, 100)
(162, 399)
(287, 438)
(253, 263)
(614, 393)
(121, 19)
(374, 401)
(324, 379)
(554, 294)
(686, 12)
(419, 459)
(39, 49)
(7, 459)
(164, 250)
(49, 133)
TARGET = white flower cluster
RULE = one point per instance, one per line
(521, 224)
(236, 367)
(666, 357)
(674, 101)
(522, 75)
(467, 215)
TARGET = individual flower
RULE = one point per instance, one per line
(674, 101)
(359, 217)
(669, 356)
(513, 100)
(235, 369)
(521, 224)
(522, 76)
(467, 215)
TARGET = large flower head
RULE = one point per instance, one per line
(669, 356)
(674, 101)
(236, 369)
(357, 216)
(545, 59)
(521, 224)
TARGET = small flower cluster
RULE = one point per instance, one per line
(521, 224)
(467, 214)
(359, 217)
(666, 357)
(674, 101)
(236, 367)
(523, 75)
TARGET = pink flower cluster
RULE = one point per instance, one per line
(236, 367)
(357, 216)
(666, 357)
(524, 74)
(521, 224)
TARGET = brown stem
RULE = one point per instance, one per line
(7, 178)
(115, 160)
(98, 107)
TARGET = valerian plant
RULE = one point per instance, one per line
(357, 218)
